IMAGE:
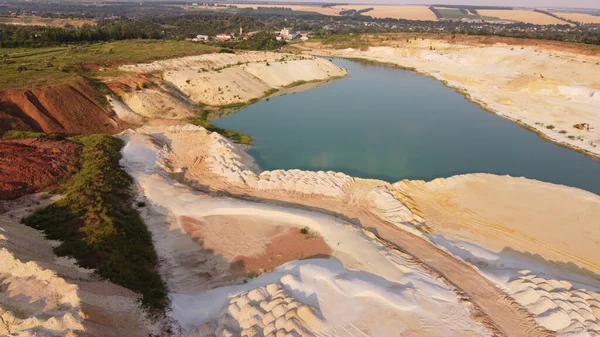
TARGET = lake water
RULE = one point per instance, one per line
(392, 124)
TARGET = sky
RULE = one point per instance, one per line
(511, 3)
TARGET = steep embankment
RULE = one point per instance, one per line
(233, 79)
(72, 109)
(547, 88)
(32, 165)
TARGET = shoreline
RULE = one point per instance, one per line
(458, 89)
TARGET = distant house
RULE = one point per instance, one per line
(202, 37)
(223, 37)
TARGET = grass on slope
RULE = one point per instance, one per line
(27, 67)
(98, 225)
(235, 136)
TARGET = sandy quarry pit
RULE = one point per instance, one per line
(435, 222)
(545, 88)
(200, 238)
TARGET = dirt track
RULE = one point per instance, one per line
(492, 307)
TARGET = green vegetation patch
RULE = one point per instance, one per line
(235, 136)
(98, 226)
(30, 67)
(15, 134)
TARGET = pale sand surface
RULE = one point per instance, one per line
(527, 16)
(365, 279)
(556, 222)
(548, 90)
(209, 161)
(580, 17)
(504, 226)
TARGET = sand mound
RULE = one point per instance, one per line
(42, 295)
(541, 218)
(265, 311)
(33, 165)
(558, 305)
(192, 149)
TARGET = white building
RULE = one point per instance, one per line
(287, 34)
(202, 37)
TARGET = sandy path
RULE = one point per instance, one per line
(497, 309)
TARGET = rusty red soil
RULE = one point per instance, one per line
(33, 165)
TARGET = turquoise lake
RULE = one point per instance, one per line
(394, 124)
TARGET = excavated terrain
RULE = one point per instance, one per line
(65, 109)
(32, 165)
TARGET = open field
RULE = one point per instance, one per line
(32, 67)
(40, 21)
(521, 15)
(378, 11)
(580, 17)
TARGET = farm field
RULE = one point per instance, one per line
(40, 21)
(580, 17)
(36, 66)
(378, 11)
(522, 15)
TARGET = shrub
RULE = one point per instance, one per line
(97, 225)
(562, 131)
(145, 85)
(140, 204)
(304, 231)
(550, 127)
(14, 134)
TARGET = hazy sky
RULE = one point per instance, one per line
(518, 3)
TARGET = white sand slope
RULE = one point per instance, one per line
(223, 79)
(368, 289)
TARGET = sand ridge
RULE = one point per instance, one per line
(404, 206)
(361, 264)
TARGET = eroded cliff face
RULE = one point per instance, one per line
(66, 108)
(33, 165)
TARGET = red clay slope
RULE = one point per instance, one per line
(69, 109)
(32, 165)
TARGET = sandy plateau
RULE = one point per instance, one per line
(544, 88)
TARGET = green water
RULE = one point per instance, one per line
(392, 124)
